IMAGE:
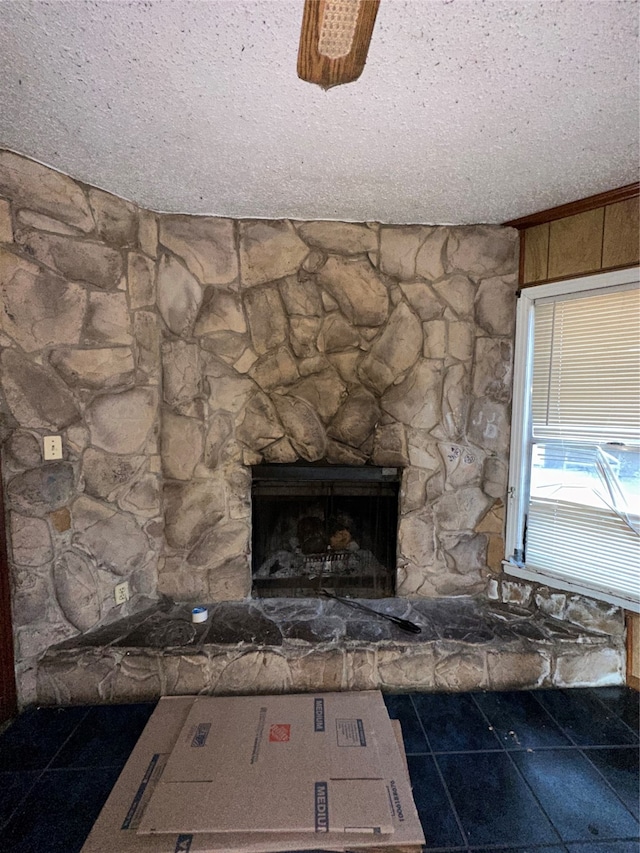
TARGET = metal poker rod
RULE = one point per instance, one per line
(404, 624)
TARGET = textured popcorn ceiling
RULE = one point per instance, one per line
(467, 111)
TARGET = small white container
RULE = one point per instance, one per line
(199, 614)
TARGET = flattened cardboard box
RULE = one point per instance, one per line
(304, 763)
(116, 827)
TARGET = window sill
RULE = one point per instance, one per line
(524, 573)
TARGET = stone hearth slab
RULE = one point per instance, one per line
(296, 645)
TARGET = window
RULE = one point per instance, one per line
(573, 518)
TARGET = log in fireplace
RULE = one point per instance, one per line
(324, 527)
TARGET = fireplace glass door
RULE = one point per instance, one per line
(324, 527)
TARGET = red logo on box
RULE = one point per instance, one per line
(280, 733)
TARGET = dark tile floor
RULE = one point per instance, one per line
(553, 771)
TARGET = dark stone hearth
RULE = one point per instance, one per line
(161, 629)
(287, 645)
(234, 622)
(272, 622)
(323, 629)
(377, 630)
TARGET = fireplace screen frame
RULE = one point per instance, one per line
(337, 489)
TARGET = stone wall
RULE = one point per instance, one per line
(79, 356)
(171, 352)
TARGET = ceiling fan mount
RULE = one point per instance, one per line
(334, 40)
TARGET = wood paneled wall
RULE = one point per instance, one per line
(589, 236)
(592, 235)
(633, 650)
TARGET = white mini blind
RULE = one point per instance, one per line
(586, 367)
(593, 548)
(583, 515)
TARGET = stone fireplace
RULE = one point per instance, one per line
(334, 344)
(177, 355)
(317, 527)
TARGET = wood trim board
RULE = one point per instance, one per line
(633, 650)
(571, 208)
(8, 698)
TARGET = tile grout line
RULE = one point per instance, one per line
(521, 775)
(20, 803)
(492, 728)
(590, 746)
(582, 752)
(522, 848)
(553, 846)
(573, 742)
(594, 843)
(492, 751)
(67, 739)
(463, 834)
(39, 773)
(615, 713)
(559, 747)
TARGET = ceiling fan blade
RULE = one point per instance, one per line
(334, 40)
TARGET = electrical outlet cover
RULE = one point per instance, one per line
(121, 592)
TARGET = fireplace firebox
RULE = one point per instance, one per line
(318, 527)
